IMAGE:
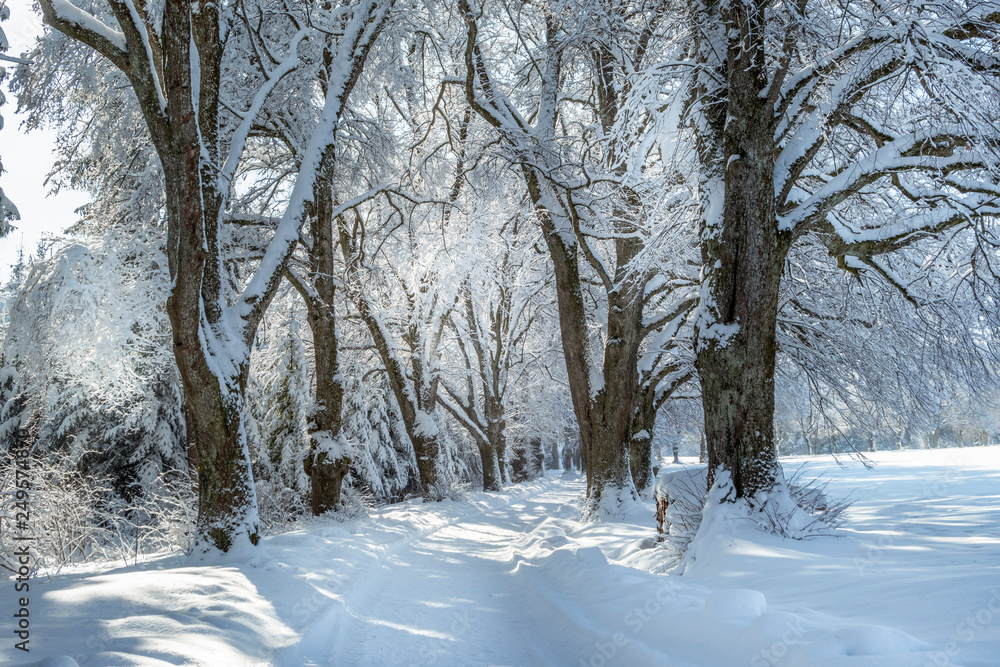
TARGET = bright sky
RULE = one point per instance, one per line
(27, 158)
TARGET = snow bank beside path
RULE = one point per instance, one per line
(626, 616)
(516, 579)
(920, 552)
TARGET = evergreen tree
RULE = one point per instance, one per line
(285, 422)
(8, 211)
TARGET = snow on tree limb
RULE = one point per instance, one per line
(72, 20)
(359, 34)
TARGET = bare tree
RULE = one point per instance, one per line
(180, 62)
(591, 215)
(490, 326)
(849, 123)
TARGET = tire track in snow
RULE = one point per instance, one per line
(453, 596)
(442, 591)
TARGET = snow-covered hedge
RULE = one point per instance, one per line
(73, 517)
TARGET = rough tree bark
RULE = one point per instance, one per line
(641, 444)
(175, 67)
(327, 463)
(742, 249)
(182, 115)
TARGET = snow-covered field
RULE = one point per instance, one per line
(513, 579)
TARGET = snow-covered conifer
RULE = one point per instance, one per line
(287, 399)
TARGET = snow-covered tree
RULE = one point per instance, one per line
(555, 113)
(287, 402)
(316, 277)
(382, 460)
(8, 211)
(201, 83)
(845, 123)
(409, 351)
(490, 327)
(88, 346)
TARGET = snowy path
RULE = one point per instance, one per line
(450, 594)
(514, 579)
(484, 587)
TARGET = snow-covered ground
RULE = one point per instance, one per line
(514, 579)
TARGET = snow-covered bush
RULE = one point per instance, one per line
(76, 517)
(280, 507)
(681, 496)
(87, 359)
(87, 373)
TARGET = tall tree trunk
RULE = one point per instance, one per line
(603, 413)
(213, 368)
(327, 463)
(213, 398)
(641, 445)
(496, 436)
(603, 395)
(503, 457)
(488, 426)
(213, 402)
(742, 256)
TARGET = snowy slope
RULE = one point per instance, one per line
(514, 579)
